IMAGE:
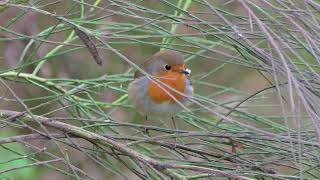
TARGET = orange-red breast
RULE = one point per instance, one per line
(158, 97)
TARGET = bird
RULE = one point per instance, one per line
(163, 89)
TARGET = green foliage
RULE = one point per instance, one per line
(13, 157)
(255, 70)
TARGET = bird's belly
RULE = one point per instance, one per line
(164, 109)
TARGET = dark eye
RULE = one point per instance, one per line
(167, 67)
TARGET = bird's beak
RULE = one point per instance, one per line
(185, 71)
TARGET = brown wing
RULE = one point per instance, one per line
(143, 66)
(137, 74)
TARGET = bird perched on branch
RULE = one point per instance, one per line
(162, 88)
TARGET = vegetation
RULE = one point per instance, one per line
(66, 66)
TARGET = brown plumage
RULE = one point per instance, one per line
(156, 63)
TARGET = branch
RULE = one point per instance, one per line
(27, 137)
(111, 143)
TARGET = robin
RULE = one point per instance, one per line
(165, 90)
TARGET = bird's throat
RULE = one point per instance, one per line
(164, 87)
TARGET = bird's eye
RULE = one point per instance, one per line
(167, 67)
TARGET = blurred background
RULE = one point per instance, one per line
(255, 72)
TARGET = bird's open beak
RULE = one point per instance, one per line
(185, 71)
